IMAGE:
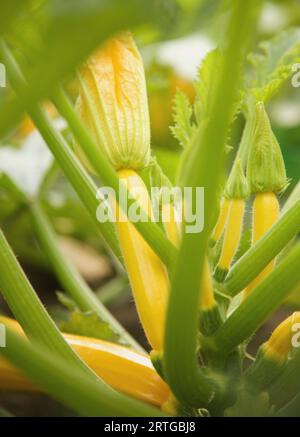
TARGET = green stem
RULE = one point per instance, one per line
(293, 197)
(12, 188)
(260, 304)
(292, 409)
(77, 175)
(262, 252)
(187, 379)
(287, 384)
(148, 229)
(116, 290)
(69, 276)
(68, 385)
(28, 309)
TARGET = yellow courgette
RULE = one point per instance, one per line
(265, 213)
(220, 225)
(124, 369)
(232, 237)
(147, 274)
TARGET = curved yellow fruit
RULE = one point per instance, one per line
(280, 343)
(233, 232)
(147, 274)
(125, 370)
(207, 300)
(220, 225)
(265, 213)
(171, 224)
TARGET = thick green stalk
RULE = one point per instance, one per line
(69, 277)
(262, 252)
(260, 304)
(148, 229)
(28, 309)
(70, 386)
(186, 378)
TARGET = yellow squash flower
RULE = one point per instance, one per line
(113, 105)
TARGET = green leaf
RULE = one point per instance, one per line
(273, 63)
(88, 324)
(203, 85)
(249, 405)
(188, 117)
(184, 127)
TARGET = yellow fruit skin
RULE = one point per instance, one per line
(147, 274)
(207, 299)
(125, 370)
(280, 343)
(170, 223)
(265, 214)
(12, 379)
(233, 232)
(219, 228)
